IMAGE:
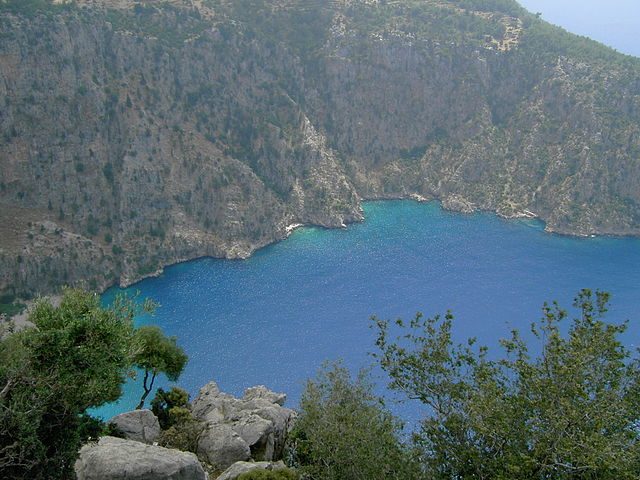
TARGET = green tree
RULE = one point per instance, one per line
(76, 357)
(180, 429)
(156, 353)
(568, 409)
(169, 406)
(344, 432)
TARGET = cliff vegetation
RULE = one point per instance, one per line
(135, 134)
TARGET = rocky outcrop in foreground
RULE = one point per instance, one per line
(118, 459)
(139, 425)
(237, 435)
(254, 426)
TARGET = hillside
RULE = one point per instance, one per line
(135, 134)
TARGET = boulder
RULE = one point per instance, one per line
(139, 425)
(211, 402)
(264, 393)
(118, 459)
(238, 468)
(258, 418)
(220, 446)
(282, 420)
(258, 433)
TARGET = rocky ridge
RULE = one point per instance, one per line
(136, 134)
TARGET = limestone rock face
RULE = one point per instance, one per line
(220, 446)
(139, 425)
(118, 459)
(257, 432)
(255, 426)
(119, 163)
(238, 468)
(264, 393)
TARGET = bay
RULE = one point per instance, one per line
(274, 318)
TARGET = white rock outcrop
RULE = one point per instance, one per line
(139, 425)
(237, 429)
(119, 459)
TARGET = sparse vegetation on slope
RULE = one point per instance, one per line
(138, 134)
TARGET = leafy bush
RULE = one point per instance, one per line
(184, 433)
(179, 427)
(344, 432)
(169, 406)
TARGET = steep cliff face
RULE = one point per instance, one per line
(136, 134)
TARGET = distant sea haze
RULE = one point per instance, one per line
(613, 22)
(275, 318)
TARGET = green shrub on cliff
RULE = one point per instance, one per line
(167, 405)
(180, 429)
(31, 7)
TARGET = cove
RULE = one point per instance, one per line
(274, 318)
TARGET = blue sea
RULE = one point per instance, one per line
(275, 318)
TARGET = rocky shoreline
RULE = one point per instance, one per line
(242, 251)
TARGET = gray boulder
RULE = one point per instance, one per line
(211, 404)
(258, 418)
(282, 421)
(238, 468)
(220, 446)
(258, 433)
(139, 425)
(264, 393)
(118, 459)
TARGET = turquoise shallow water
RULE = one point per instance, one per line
(274, 318)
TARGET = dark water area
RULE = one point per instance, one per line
(275, 318)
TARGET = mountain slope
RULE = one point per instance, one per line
(137, 134)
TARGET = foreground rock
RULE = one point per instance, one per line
(118, 459)
(238, 468)
(219, 445)
(139, 425)
(254, 426)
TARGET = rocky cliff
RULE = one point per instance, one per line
(134, 134)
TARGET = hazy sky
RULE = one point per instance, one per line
(614, 22)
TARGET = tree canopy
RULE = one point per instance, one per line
(156, 353)
(565, 407)
(76, 357)
(344, 432)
